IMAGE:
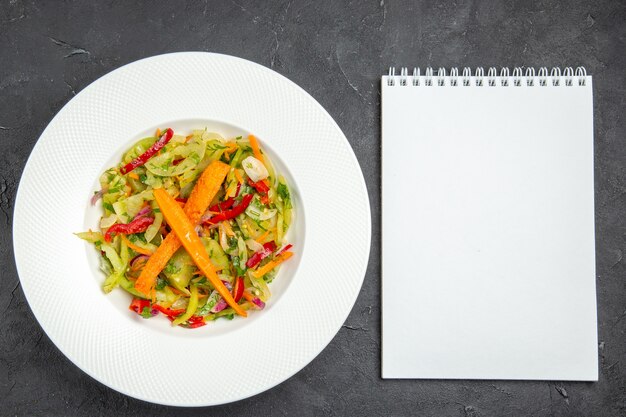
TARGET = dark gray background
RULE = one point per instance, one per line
(336, 51)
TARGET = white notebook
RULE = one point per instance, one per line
(488, 225)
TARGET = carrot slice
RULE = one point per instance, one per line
(273, 264)
(238, 176)
(227, 228)
(135, 247)
(232, 147)
(263, 236)
(254, 143)
(201, 196)
(184, 229)
(175, 290)
(248, 296)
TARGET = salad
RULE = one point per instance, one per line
(193, 226)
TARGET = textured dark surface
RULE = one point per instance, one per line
(336, 51)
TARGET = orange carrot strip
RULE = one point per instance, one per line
(201, 196)
(263, 236)
(184, 229)
(227, 228)
(135, 247)
(232, 147)
(157, 133)
(175, 290)
(238, 176)
(273, 264)
(133, 176)
(156, 263)
(254, 143)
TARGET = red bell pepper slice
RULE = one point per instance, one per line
(138, 225)
(192, 322)
(256, 259)
(224, 205)
(232, 213)
(138, 304)
(286, 248)
(168, 311)
(238, 289)
(260, 186)
(195, 321)
(143, 158)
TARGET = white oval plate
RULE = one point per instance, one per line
(228, 360)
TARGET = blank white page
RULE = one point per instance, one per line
(488, 231)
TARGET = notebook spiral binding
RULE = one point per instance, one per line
(569, 77)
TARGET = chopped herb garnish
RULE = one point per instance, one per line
(238, 268)
(283, 191)
(146, 313)
(171, 269)
(161, 283)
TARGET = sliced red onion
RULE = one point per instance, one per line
(96, 197)
(199, 231)
(154, 311)
(260, 304)
(143, 212)
(136, 258)
(221, 305)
